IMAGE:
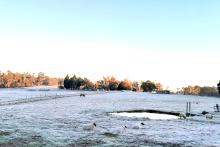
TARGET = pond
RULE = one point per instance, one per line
(146, 115)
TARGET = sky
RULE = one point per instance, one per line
(174, 42)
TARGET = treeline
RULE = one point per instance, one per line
(109, 83)
(201, 91)
(12, 80)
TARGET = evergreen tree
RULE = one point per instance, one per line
(148, 86)
(66, 82)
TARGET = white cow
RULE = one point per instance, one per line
(89, 127)
(209, 116)
(139, 126)
(182, 115)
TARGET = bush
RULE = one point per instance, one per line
(148, 86)
(125, 85)
(61, 87)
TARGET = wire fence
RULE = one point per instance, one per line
(44, 97)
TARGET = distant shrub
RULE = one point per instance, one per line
(148, 86)
(61, 87)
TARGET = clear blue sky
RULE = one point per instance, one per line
(126, 27)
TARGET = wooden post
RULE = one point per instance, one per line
(188, 109)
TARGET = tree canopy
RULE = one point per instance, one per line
(202, 91)
(125, 85)
(11, 80)
(76, 83)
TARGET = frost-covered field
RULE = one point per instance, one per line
(61, 121)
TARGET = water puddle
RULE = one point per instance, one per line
(145, 115)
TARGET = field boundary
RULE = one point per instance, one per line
(44, 98)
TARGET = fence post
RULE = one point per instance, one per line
(188, 109)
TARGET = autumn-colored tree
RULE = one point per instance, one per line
(113, 83)
(46, 81)
(40, 78)
(10, 79)
(159, 86)
(125, 85)
(135, 86)
(3, 81)
(102, 85)
(202, 91)
(29, 80)
(88, 85)
(190, 90)
(106, 82)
